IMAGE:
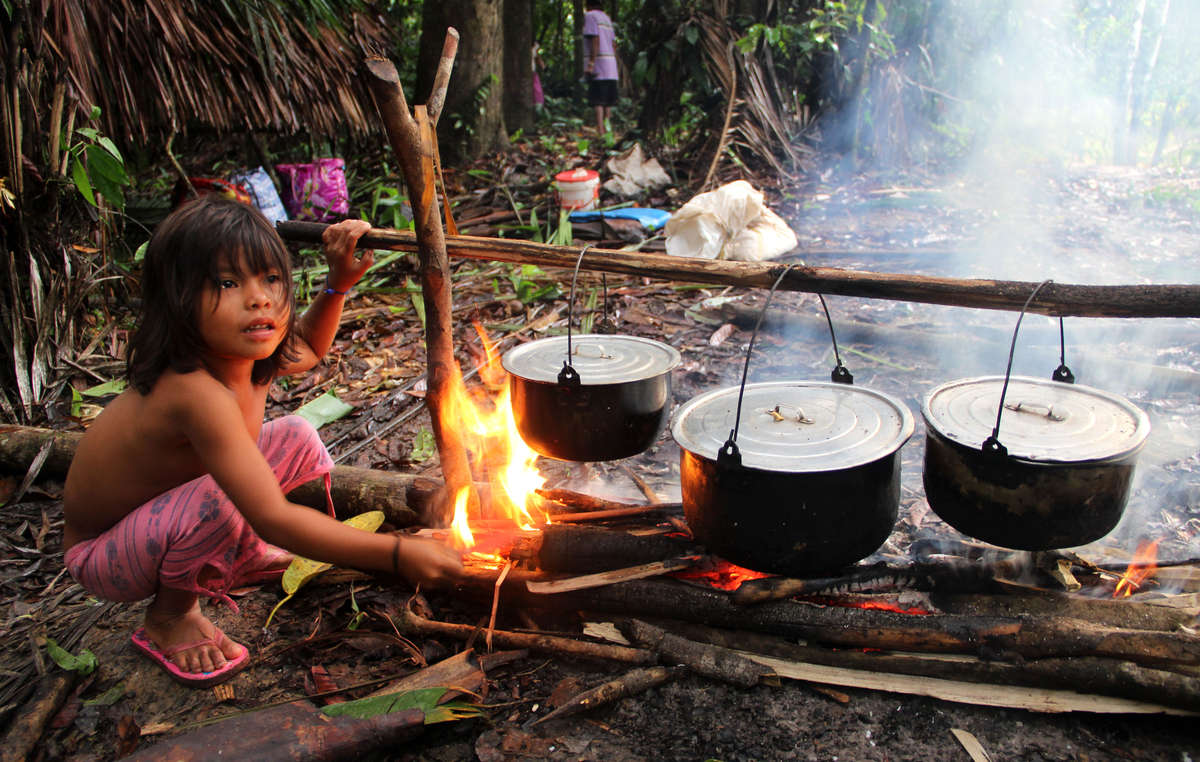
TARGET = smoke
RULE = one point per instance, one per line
(1020, 105)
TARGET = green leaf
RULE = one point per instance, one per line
(324, 409)
(302, 569)
(116, 386)
(84, 664)
(424, 446)
(108, 698)
(80, 176)
(111, 147)
(425, 699)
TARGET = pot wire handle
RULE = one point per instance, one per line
(991, 445)
(839, 375)
(568, 376)
(1062, 372)
(606, 324)
(737, 419)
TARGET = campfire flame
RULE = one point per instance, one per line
(499, 457)
(1141, 568)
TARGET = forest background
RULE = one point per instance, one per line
(108, 103)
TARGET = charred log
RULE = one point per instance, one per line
(996, 637)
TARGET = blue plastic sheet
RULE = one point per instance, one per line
(651, 219)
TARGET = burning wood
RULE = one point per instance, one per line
(999, 636)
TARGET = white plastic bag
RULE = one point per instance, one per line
(631, 173)
(730, 222)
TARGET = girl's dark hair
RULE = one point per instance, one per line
(186, 253)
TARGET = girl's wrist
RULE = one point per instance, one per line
(331, 290)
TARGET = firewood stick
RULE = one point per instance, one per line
(629, 684)
(411, 136)
(1039, 637)
(704, 659)
(584, 549)
(1123, 301)
(441, 78)
(617, 513)
(1109, 677)
(585, 581)
(580, 501)
(411, 623)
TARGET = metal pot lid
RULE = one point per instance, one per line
(796, 426)
(597, 358)
(1046, 421)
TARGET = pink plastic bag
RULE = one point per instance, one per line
(315, 191)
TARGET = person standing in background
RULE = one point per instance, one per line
(539, 96)
(600, 62)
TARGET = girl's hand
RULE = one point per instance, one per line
(344, 268)
(428, 562)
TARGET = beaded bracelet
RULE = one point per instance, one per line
(335, 291)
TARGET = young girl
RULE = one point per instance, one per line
(174, 484)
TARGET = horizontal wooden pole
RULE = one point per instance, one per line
(1059, 299)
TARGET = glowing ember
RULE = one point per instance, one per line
(875, 604)
(721, 575)
(1141, 568)
(498, 455)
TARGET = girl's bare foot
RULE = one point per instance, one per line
(171, 622)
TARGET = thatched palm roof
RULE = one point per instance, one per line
(159, 66)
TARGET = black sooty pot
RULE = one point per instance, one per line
(1058, 473)
(610, 401)
(812, 483)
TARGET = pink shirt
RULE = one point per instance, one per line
(597, 24)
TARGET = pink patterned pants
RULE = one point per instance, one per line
(168, 541)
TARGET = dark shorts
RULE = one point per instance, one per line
(602, 92)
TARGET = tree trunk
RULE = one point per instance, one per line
(577, 35)
(518, 65)
(1123, 150)
(474, 123)
(1142, 89)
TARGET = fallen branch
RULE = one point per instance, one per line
(629, 684)
(30, 722)
(703, 659)
(1108, 677)
(411, 623)
(415, 145)
(289, 732)
(1176, 300)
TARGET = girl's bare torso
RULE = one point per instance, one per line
(137, 449)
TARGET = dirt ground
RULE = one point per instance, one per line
(1091, 226)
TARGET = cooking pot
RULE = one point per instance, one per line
(590, 397)
(812, 482)
(1061, 475)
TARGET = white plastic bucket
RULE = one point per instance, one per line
(577, 188)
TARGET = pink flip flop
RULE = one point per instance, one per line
(194, 679)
